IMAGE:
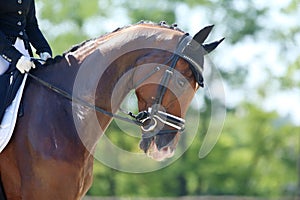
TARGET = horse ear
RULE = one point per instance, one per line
(201, 36)
(211, 46)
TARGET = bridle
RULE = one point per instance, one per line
(147, 119)
(152, 115)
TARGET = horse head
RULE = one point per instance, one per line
(168, 84)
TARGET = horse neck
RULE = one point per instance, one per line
(111, 57)
(98, 69)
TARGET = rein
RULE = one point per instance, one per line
(141, 119)
(82, 102)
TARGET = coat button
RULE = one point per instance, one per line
(19, 23)
(19, 1)
(21, 33)
(20, 12)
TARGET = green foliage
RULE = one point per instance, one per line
(150, 10)
(77, 10)
(66, 41)
(291, 78)
(155, 16)
(244, 19)
(293, 6)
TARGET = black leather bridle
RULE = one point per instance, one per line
(153, 115)
(188, 50)
(148, 119)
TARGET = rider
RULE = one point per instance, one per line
(18, 29)
(18, 22)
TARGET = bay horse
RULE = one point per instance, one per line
(50, 155)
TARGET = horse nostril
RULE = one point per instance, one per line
(166, 149)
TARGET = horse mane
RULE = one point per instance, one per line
(161, 24)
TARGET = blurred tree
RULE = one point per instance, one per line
(254, 156)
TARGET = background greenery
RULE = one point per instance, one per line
(258, 151)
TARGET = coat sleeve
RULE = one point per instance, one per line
(7, 50)
(36, 38)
